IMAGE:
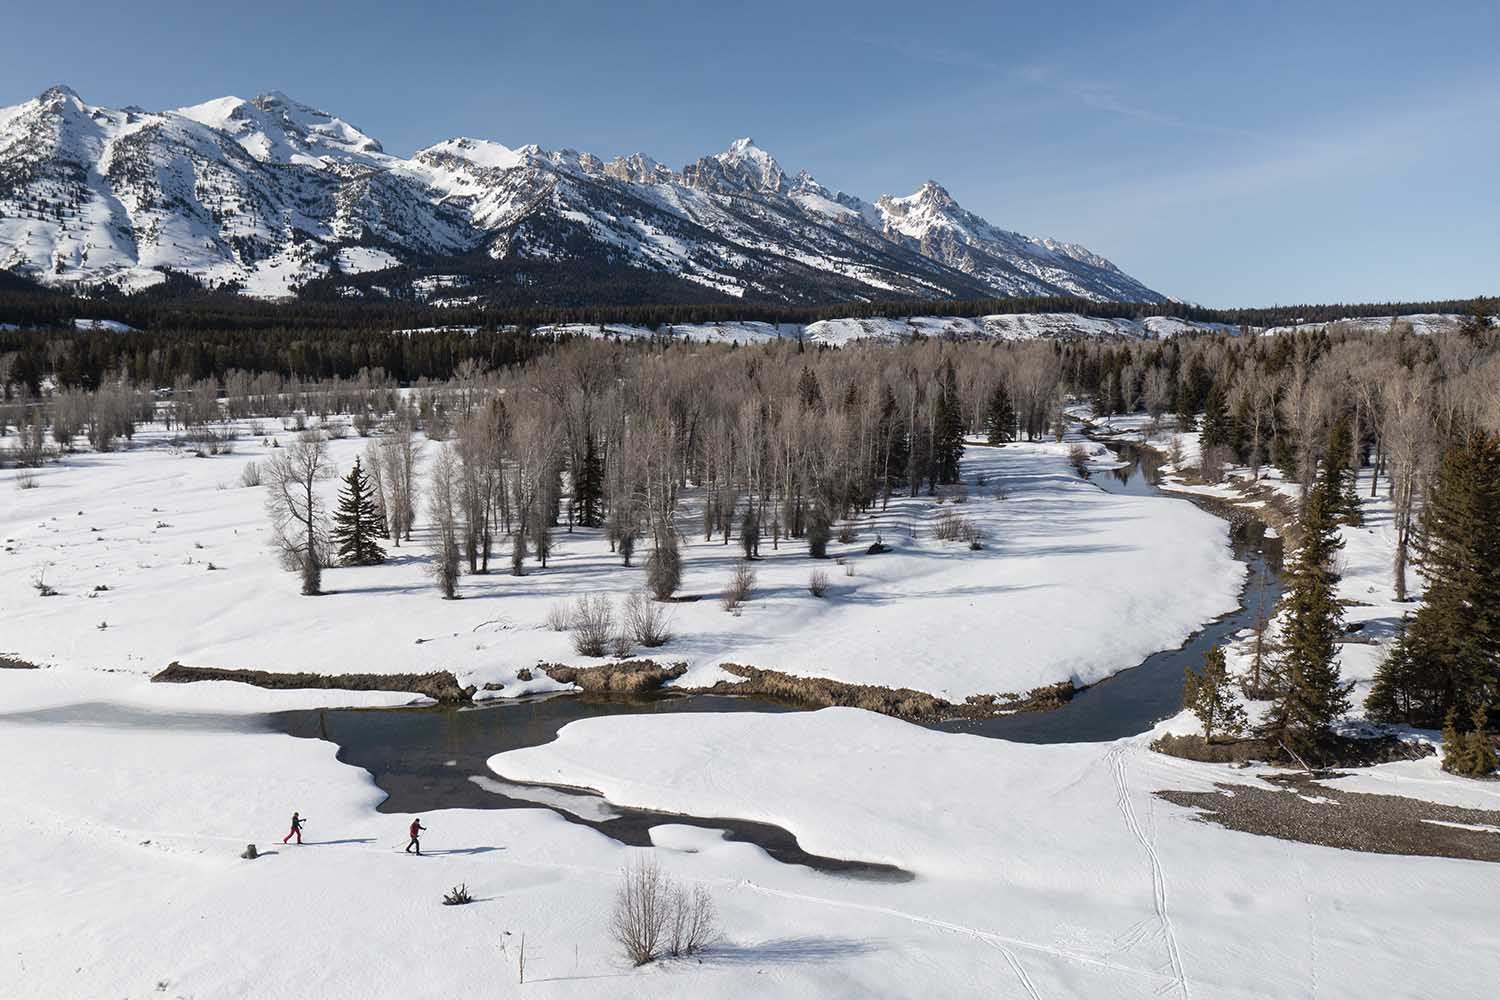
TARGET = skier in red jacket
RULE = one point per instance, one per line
(416, 835)
(295, 831)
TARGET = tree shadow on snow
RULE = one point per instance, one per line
(788, 951)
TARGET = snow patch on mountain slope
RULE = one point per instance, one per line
(361, 260)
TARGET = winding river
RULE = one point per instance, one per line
(431, 758)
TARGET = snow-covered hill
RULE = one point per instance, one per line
(900, 330)
(274, 197)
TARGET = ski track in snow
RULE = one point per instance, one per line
(1147, 839)
(1000, 941)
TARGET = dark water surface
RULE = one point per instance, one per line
(436, 758)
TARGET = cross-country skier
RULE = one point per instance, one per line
(416, 836)
(296, 830)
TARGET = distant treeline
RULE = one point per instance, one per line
(201, 335)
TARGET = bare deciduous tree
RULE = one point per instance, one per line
(298, 514)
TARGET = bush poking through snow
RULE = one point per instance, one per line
(817, 583)
(1174, 451)
(592, 623)
(458, 896)
(40, 585)
(693, 922)
(639, 919)
(952, 526)
(25, 479)
(741, 584)
(647, 621)
(250, 474)
(653, 916)
(1078, 457)
(559, 617)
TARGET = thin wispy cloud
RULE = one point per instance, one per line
(1379, 141)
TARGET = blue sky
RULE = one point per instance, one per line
(1226, 153)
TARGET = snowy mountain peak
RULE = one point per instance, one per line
(59, 92)
(743, 168)
(933, 193)
(637, 168)
(481, 152)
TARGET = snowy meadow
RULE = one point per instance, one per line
(931, 516)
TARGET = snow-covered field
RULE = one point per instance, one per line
(1069, 584)
(1039, 871)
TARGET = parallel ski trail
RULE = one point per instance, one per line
(1147, 840)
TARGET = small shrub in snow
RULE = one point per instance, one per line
(457, 896)
(817, 583)
(559, 618)
(250, 474)
(1078, 457)
(692, 920)
(653, 916)
(1174, 450)
(40, 585)
(620, 644)
(592, 623)
(647, 621)
(639, 919)
(952, 526)
(26, 479)
(847, 534)
(741, 583)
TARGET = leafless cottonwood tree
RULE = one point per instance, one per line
(444, 486)
(298, 514)
(652, 915)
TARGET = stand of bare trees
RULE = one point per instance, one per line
(778, 444)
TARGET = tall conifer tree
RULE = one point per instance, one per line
(1447, 659)
(1309, 697)
(357, 522)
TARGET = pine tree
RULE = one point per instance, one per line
(1338, 477)
(1218, 427)
(1448, 657)
(1305, 677)
(588, 486)
(1208, 695)
(357, 522)
(1000, 417)
(1182, 406)
(948, 434)
(808, 389)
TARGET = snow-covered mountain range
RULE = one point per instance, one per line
(276, 198)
